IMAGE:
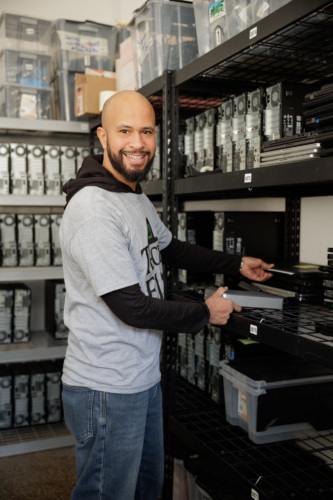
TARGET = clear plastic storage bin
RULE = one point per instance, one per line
(83, 45)
(25, 33)
(25, 68)
(262, 8)
(277, 397)
(218, 21)
(63, 102)
(164, 37)
(19, 101)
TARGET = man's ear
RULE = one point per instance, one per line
(101, 134)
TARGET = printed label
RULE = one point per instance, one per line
(216, 11)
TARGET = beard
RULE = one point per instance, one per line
(117, 163)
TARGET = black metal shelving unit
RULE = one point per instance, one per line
(294, 45)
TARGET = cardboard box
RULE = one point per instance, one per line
(87, 89)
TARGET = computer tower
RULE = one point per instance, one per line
(67, 163)
(283, 113)
(21, 396)
(189, 142)
(18, 169)
(56, 255)
(199, 148)
(6, 313)
(35, 160)
(218, 241)
(5, 187)
(22, 312)
(25, 239)
(239, 132)
(37, 388)
(81, 153)
(55, 293)
(209, 139)
(53, 371)
(8, 240)
(42, 240)
(6, 406)
(52, 170)
(254, 127)
(258, 234)
(196, 228)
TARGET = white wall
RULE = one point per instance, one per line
(102, 11)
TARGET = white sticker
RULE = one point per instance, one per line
(242, 405)
(28, 106)
(254, 329)
(247, 178)
(253, 32)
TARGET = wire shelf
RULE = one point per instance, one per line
(294, 469)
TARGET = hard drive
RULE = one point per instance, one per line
(21, 376)
(52, 170)
(254, 299)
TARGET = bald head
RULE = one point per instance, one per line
(124, 99)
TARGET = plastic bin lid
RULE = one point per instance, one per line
(276, 370)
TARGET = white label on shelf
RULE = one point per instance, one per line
(254, 329)
(253, 32)
(248, 178)
(254, 494)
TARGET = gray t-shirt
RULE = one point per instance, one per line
(110, 241)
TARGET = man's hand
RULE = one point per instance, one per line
(220, 308)
(253, 269)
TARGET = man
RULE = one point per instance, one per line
(113, 245)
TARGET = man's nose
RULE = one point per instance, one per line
(137, 141)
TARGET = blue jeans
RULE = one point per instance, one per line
(119, 443)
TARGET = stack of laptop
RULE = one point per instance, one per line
(298, 281)
(318, 108)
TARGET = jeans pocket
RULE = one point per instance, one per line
(78, 411)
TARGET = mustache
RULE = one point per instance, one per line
(136, 151)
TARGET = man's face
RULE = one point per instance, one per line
(131, 140)
(131, 172)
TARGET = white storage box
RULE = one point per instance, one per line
(25, 68)
(21, 101)
(277, 397)
(164, 37)
(78, 46)
(25, 33)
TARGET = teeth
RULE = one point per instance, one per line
(134, 156)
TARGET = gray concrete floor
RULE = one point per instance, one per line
(43, 475)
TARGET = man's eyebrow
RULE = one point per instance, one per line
(123, 125)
